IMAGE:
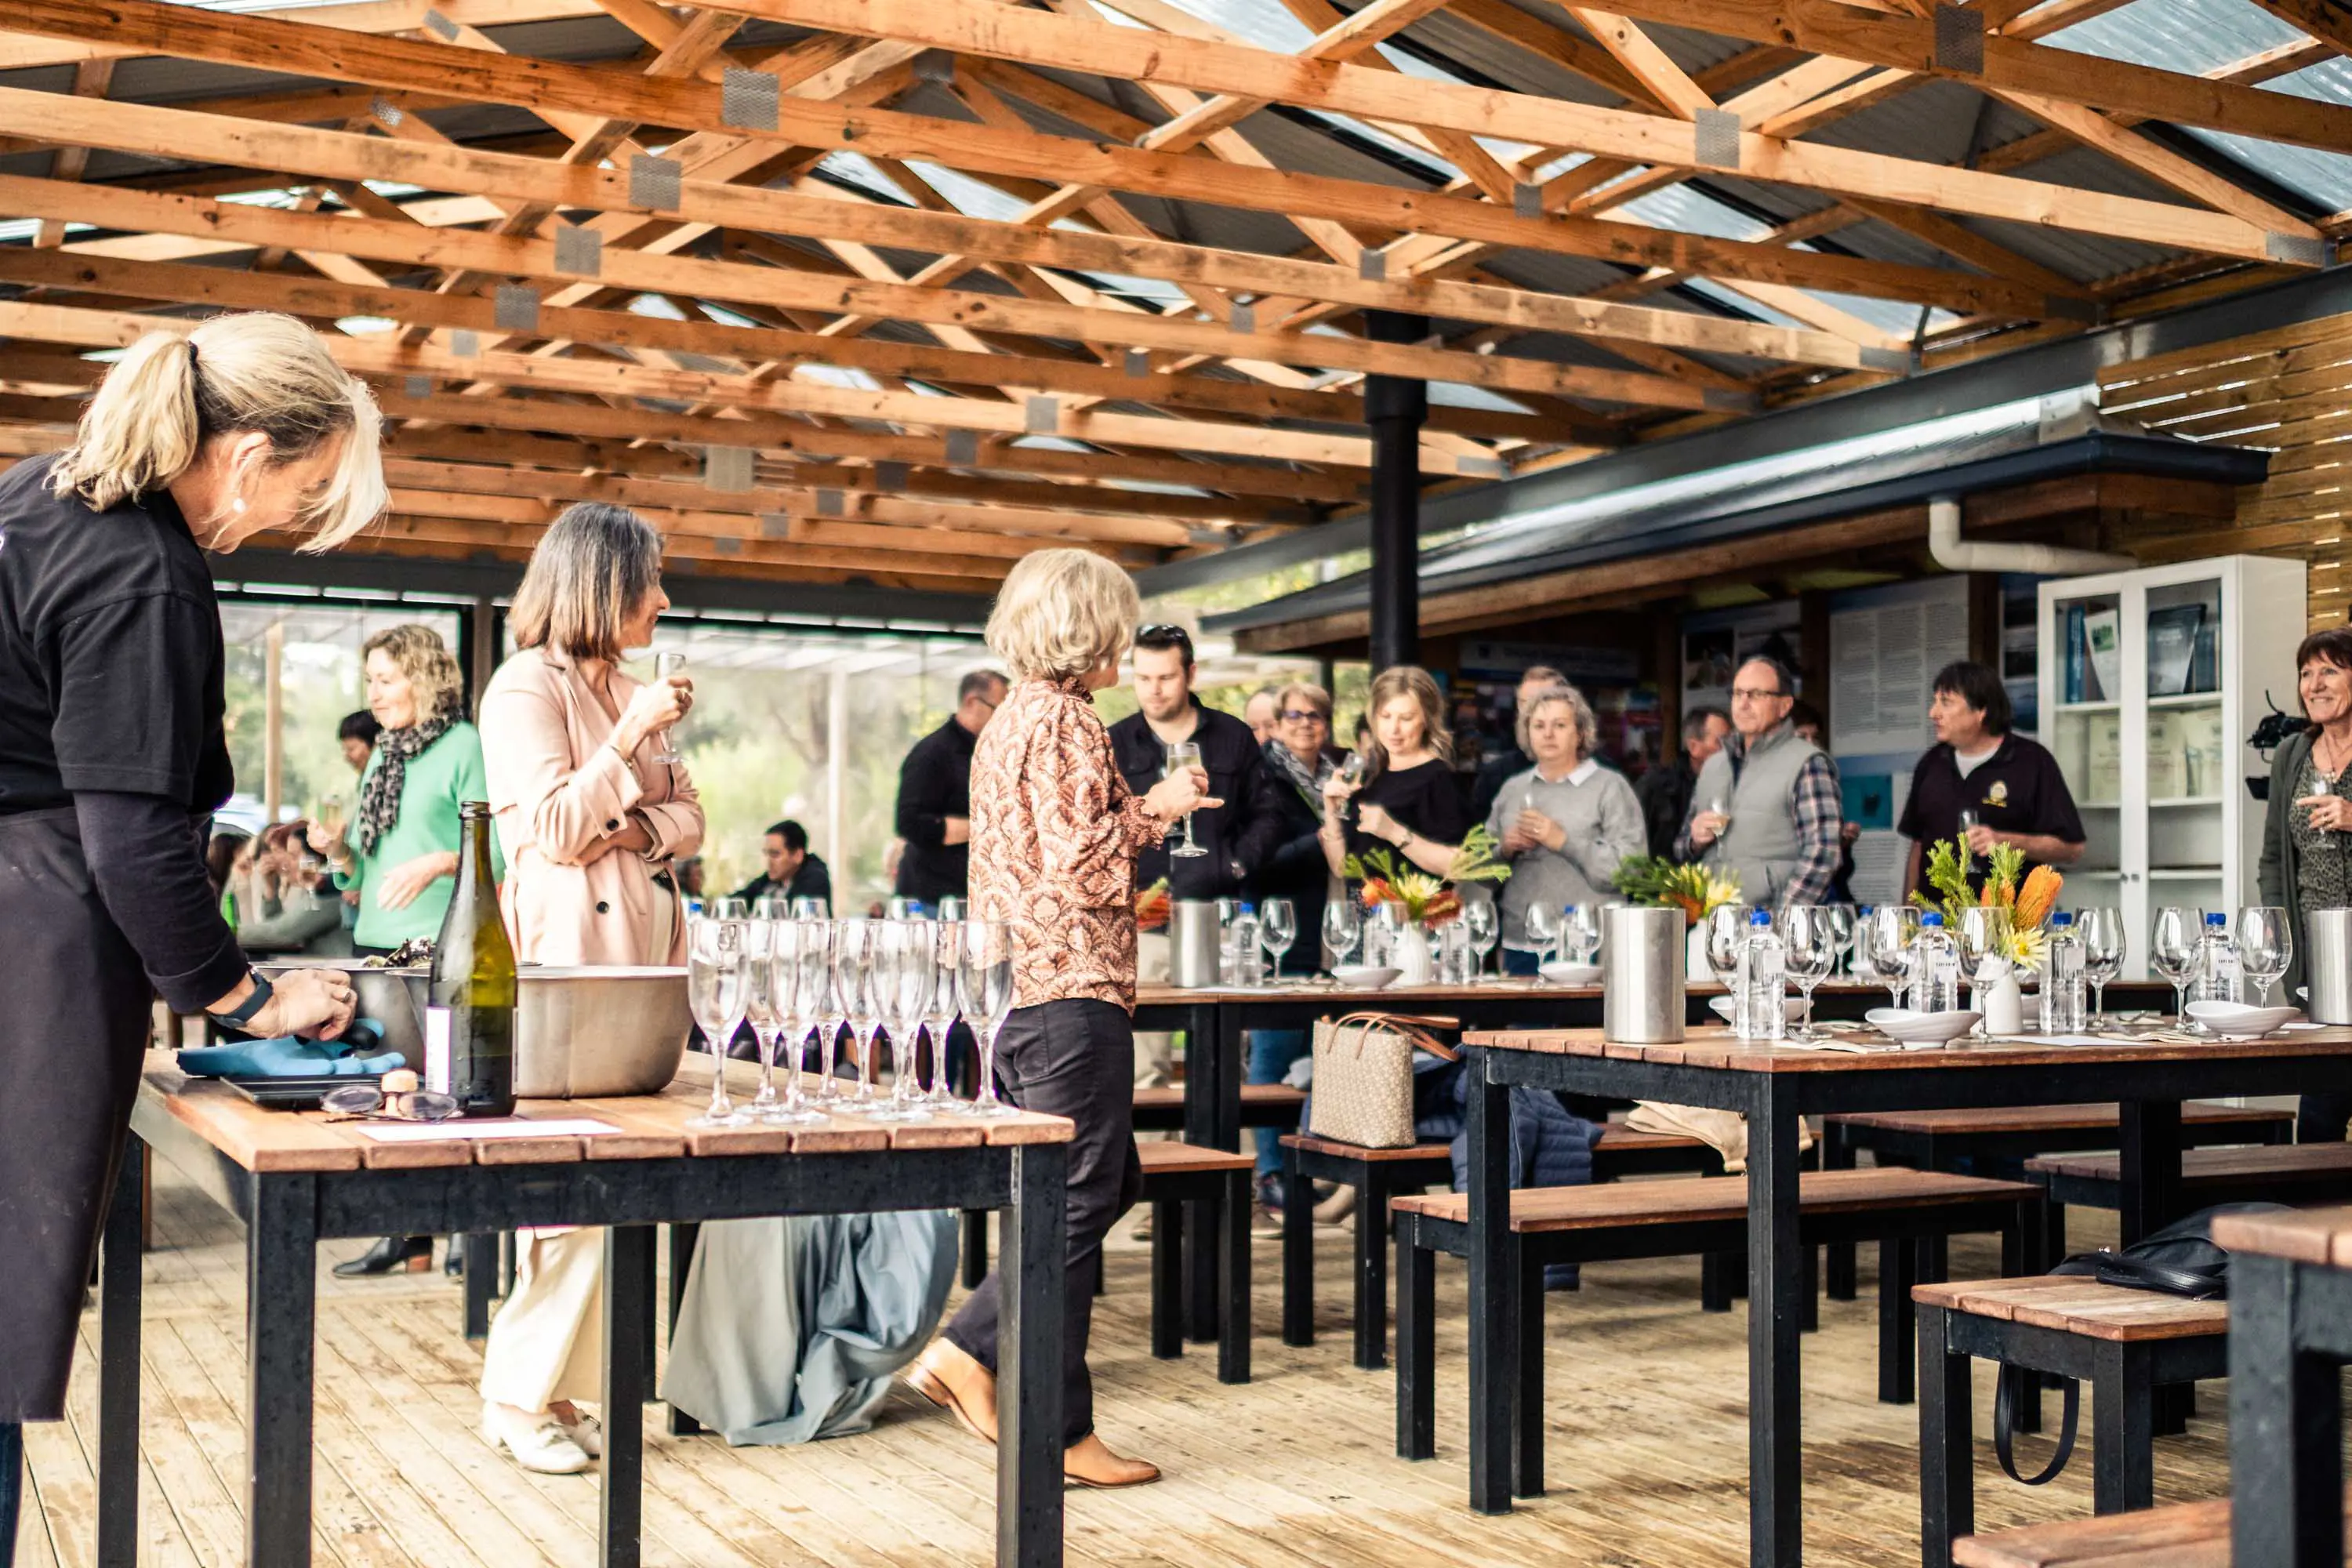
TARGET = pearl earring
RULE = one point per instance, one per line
(236, 503)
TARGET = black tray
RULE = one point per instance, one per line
(295, 1093)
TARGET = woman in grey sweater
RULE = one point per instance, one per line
(1564, 824)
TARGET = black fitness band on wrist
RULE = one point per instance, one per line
(244, 1011)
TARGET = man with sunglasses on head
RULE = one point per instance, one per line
(934, 813)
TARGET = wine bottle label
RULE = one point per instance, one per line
(436, 1049)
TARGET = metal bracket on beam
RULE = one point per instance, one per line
(963, 448)
(1715, 138)
(731, 470)
(1482, 468)
(465, 342)
(654, 182)
(890, 476)
(1244, 319)
(578, 251)
(1723, 399)
(515, 308)
(1959, 40)
(440, 26)
(748, 100)
(384, 108)
(2295, 250)
(1371, 265)
(727, 546)
(831, 503)
(1898, 362)
(417, 386)
(1042, 415)
(933, 65)
(1138, 362)
(775, 525)
(1527, 201)
(2070, 308)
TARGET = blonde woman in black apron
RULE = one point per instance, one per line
(112, 757)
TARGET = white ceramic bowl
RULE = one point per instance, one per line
(2239, 1021)
(1922, 1030)
(1570, 973)
(1364, 976)
(1721, 1006)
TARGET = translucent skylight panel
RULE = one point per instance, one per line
(855, 169)
(1693, 212)
(1886, 315)
(1454, 394)
(1265, 23)
(848, 377)
(1052, 443)
(968, 195)
(2324, 177)
(2192, 35)
(1740, 304)
(664, 310)
(1140, 288)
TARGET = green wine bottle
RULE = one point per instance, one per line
(470, 1009)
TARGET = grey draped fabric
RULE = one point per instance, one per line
(791, 1329)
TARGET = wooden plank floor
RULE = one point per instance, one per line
(1647, 1413)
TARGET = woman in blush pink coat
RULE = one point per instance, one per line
(590, 821)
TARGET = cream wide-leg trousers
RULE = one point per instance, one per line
(547, 1342)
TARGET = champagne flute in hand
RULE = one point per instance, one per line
(664, 665)
(1181, 755)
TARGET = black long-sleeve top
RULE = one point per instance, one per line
(1296, 870)
(1239, 835)
(935, 784)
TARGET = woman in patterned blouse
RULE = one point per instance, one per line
(1054, 833)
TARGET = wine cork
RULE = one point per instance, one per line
(400, 1080)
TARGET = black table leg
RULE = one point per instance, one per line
(1167, 1281)
(1899, 1270)
(1416, 1287)
(1775, 1275)
(1372, 1270)
(480, 1253)
(2151, 1167)
(1233, 1280)
(282, 1250)
(1948, 1506)
(2123, 1436)
(2286, 1476)
(1838, 1154)
(628, 1254)
(1528, 1415)
(1298, 1254)
(118, 1368)
(1029, 1361)
(1493, 1312)
(682, 1238)
(1204, 1094)
(975, 1248)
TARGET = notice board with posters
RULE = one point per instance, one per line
(1885, 645)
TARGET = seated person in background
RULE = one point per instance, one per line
(793, 872)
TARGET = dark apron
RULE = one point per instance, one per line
(74, 1013)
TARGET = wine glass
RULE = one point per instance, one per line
(984, 990)
(903, 977)
(834, 1014)
(855, 958)
(772, 907)
(1967, 851)
(1845, 925)
(1277, 927)
(796, 990)
(1544, 931)
(714, 993)
(1580, 931)
(2102, 931)
(2265, 946)
(1343, 928)
(664, 665)
(2172, 950)
(1809, 950)
(940, 1009)
(1387, 931)
(1727, 932)
(1886, 940)
(1181, 755)
(807, 907)
(1985, 949)
(1479, 920)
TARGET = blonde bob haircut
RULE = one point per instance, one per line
(419, 654)
(256, 370)
(1062, 612)
(1588, 729)
(590, 571)
(1406, 680)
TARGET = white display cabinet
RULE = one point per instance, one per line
(2151, 680)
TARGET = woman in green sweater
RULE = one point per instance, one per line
(400, 851)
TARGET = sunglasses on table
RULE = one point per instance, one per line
(368, 1103)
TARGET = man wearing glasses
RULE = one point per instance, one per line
(935, 795)
(1766, 807)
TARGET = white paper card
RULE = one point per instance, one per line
(436, 1049)
(429, 1132)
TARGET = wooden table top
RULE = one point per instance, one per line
(2303, 1236)
(651, 1127)
(2075, 1305)
(1494, 987)
(1720, 1048)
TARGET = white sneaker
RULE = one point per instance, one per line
(586, 1431)
(536, 1442)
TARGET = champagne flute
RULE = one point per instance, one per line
(2265, 947)
(759, 1008)
(1809, 950)
(808, 907)
(665, 664)
(940, 1008)
(830, 1019)
(2172, 950)
(1387, 929)
(1479, 922)
(1968, 850)
(1343, 928)
(813, 1002)
(904, 977)
(2102, 931)
(714, 993)
(855, 964)
(1182, 756)
(795, 990)
(770, 907)
(1277, 927)
(984, 988)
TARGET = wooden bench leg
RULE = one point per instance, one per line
(1809, 1314)
(1527, 1420)
(479, 1253)
(682, 1240)
(1372, 1270)
(975, 1248)
(1416, 1307)
(1167, 1283)
(1838, 1273)
(1947, 1455)
(1233, 1275)
(1297, 1254)
(1897, 1272)
(2019, 1241)
(2123, 1436)
(1715, 1272)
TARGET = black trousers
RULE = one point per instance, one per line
(1073, 1058)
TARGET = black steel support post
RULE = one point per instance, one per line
(628, 1306)
(118, 1368)
(1776, 1276)
(1494, 1312)
(1034, 1256)
(1395, 407)
(281, 1299)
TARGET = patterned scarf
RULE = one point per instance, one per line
(380, 796)
(1309, 782)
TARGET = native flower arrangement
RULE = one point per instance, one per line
(1428, 900)
(1151, 906)
(2029, 901)
(1697, 891)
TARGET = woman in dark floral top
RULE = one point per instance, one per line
(1054, 833)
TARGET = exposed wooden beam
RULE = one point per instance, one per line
(91, 79)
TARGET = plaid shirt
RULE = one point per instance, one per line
(1818, 807)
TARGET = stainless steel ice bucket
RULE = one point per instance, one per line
(2327, 965)
(1641, 974)
(1194, 941)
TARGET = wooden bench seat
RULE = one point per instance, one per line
(1161, 1110)
(2286, 1173)
(1177, 1172)
(2126, 1345)
(1666, 1218)
(2179, 1536)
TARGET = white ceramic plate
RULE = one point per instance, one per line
(1570, 973)
(1721, 1007)
(2239, 1021)
(1364, 976)
(1921, 1030)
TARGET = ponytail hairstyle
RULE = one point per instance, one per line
(149, 420)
